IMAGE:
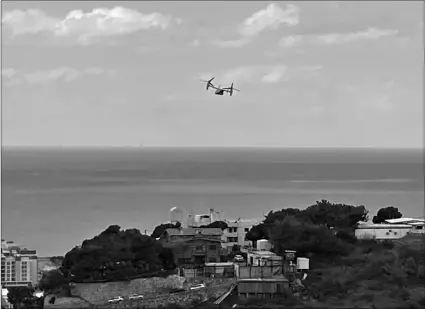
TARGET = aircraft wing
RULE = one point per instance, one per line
(228, 89)
(214, 87)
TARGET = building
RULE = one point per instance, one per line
(233, 235)
(391, 230)
(417, 228)
(382, 231)
(263, 258)
(19, 265)
(194, 246)
(236, 232)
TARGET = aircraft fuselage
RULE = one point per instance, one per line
(219, 92)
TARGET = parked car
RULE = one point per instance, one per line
(238, 258)
(135, 296)
(198, 286)
(116, 299)
(177, 290)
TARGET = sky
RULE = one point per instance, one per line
(310, 74)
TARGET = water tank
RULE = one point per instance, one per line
(263, 244)
(303, 263)
(177, 215)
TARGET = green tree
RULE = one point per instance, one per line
(115, 255)
(20, 295)
(216, 224)
(53, 282)
(157, 232)
(306, 238)
(386, 213)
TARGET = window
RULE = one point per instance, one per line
(419, 227)
(199, 247)
(387, 233)
(395, 233)
(246, 229)
(232, 239)
(213, 247)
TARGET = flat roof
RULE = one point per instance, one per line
(404, 220)
(383, 226)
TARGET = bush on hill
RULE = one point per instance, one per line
(114, 254)
(157, 232)
(341, 218)
(386, 214)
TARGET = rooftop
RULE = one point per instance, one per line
(404, 220)
(195, 231)
(383, 226)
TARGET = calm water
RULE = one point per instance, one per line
(54, 199)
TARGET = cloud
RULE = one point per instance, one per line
(274, 75)
(270, 18)
(261, 74)
(290, 41)
(85, 27)
(231, 43)
(341, 38)
(67, 74)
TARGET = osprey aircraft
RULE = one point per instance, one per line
(219, 90)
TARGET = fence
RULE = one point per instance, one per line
(240, 271)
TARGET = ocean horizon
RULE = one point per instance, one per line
(55, 197)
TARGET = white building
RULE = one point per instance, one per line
(236, 232)
(263, 258)
(18, 265)
(417, 228)
(391, 230)
(382, 231)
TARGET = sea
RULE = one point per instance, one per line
(54, 198)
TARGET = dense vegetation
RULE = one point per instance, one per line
(386, 213)
(341, 218)
(112, 255)
(24, 297)
(157, 232)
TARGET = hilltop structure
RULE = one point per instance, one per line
(233, 235)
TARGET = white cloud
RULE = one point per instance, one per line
(8, 72)
(290, 41)
(274, 75)
(231, 43)
(259, 74)
(41, 77)
(100, 22)
(341, 38)
(270, 18)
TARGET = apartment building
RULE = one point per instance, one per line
(18, 265)
(236, 232)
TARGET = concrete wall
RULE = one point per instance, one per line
(99, 293)
(214, 289)
(380, 233)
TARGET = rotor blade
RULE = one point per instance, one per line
(236, 89)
